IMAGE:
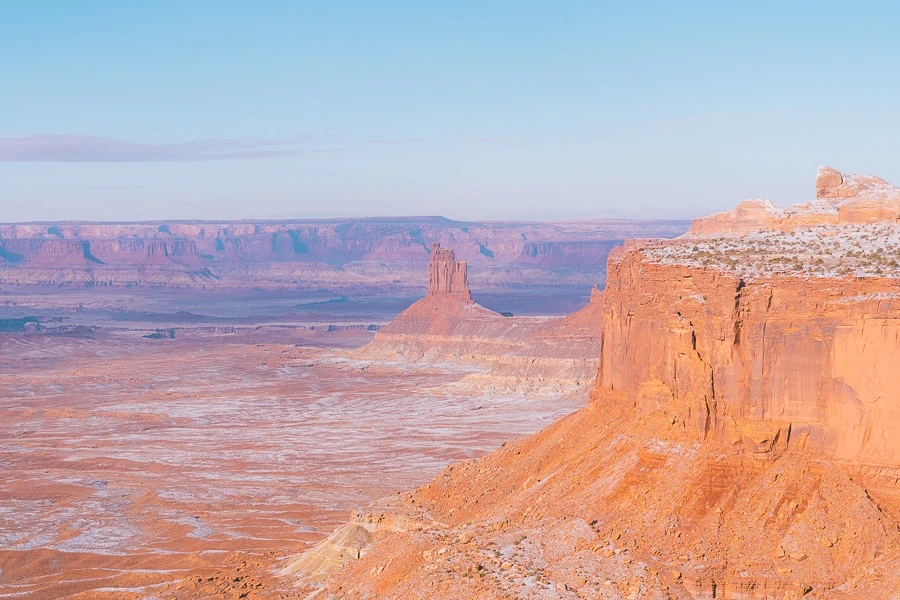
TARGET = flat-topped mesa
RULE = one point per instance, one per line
(840, 200)
(784, 337)
(447, 277)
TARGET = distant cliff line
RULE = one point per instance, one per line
(309, 253)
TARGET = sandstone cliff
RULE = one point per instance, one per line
(742, 440)
(506, 351)
(840, 199)
(768, 364)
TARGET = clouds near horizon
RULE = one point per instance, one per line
(98, 149)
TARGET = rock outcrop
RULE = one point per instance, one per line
(446, 325)
(769, 343)
(742, 440)
(840, 200)
(447, 277)
(767, 365)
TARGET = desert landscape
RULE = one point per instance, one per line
(716, 423)
(168, 440)
(449, 301)
(739, 441)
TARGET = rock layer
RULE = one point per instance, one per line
(769, 364)
(742, 442)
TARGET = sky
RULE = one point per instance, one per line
(470, 110)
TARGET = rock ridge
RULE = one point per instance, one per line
(333, 253)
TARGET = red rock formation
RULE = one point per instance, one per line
(514, 352)
(749, 215)
(743, 439)
(757, 358)
(831, 183)
(828, 181)
(770, 364)
(446, 276)
(840, 199)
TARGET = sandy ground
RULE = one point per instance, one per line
(130, 467)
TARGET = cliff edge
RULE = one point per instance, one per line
(742, 440)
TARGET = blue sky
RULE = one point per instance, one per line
(471, 110)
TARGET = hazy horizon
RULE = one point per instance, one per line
(535, 112)
(411, 218)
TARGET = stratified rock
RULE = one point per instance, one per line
(446, 276)
(332, 253)
(749, 215)
(515, 352)
(765, 364)
(740, 405)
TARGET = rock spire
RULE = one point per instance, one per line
(447, 276)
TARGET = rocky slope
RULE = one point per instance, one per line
(556, 353)
(338, 253)
(741, 441)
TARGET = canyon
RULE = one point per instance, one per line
(171, 443)
(740, 440)
(717, 422)
(340, 254)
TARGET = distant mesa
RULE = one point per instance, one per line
(337, 254)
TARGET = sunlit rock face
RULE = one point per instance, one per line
(765, 364)
(742, 440)
(784, 337)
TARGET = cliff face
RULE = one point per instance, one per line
(313, 253)
(767, 342)
(765, 365)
